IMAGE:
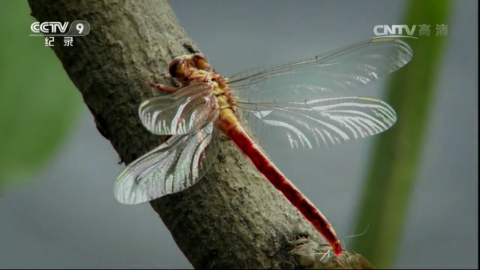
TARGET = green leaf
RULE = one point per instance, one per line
(392, 172)
(38, 102)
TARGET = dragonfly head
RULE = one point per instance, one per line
(200, 61)
(181, 64)
(177, 67)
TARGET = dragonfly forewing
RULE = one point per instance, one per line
(182, 112)
(341, 70)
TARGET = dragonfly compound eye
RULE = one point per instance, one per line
(200, 62)
(177, 67)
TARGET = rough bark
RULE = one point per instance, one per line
(233, 218)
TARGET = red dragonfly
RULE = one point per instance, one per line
(281, 100)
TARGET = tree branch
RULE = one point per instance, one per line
(232, 218)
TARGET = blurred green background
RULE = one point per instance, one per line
(414, 187)
(38, 102)
(390, 181)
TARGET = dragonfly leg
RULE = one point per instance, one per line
(160, 86)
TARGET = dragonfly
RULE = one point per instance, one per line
(281, 100)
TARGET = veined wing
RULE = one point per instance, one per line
(185, 111)
(343, 69)
(317, 123)
(172, 167)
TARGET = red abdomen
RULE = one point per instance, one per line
(238, 134)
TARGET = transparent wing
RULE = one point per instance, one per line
(182, 112)
(317, 123)
(343, 69)
(172, 167)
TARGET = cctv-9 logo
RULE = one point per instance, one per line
(77, 28)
